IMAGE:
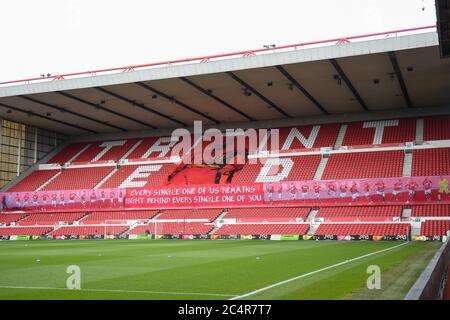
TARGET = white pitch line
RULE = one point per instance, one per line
(313, 272)
(120, 291)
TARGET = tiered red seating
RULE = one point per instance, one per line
(144, 146)
(115, 153)
(33, 181)
(361, 213)
(67, 153)
(374, 229)
(304, 168)
(432, 228)
(195, 175)
(262, 229)
(90, 230)
(436, 128)
(207, 214)
(431, 210)
(356, 134)
(101, 216)
(155, 178)
(7, 218)
(267, 214)
(431, 162)
(48, 219)
(24, 231)
(78, 178)
(364, 165)
(173, 228)
(325, 138)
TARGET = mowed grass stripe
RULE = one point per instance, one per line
(121, 291)
(212, 267)
(315, 272)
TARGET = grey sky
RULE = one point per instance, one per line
(58, 36)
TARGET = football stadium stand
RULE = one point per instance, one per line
(263, 229)
(110, 165)
(203, 214)
(364, 165)
(329, 129)
(373, 229)
(360, 213)
(101, 217)
(289, 214)
(173, 228)
(432, 228)
(49, 219)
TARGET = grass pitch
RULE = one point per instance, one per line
(172, 269)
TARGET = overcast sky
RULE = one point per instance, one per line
(59, 36)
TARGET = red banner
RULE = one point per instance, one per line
(64, 199)
(223, 196)
(321, 192)
(388, 190)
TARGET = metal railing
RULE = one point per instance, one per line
(203, 59)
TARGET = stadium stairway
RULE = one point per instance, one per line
(131, 150)
(406, 213)
(312, 215)
(419, 131)
(109, 175)
(213, 230)
(416, 230)
(312, 229)
(42, 186)
(83, 217)
(407, 164)
(217, 223)
(23, 218)
(156, 216)
(341, 135)
(220, 216)
(321, 168)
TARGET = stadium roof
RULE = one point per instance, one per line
(347, 75)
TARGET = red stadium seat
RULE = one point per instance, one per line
(205, 214)
(183, 227)
(7, 218)
(357, 134)
(436, 128)
(263, 229)
(101, 216)
(24, 231)
(431, 162)
(79, 178)
(431, 210)
(267, 214)
(33, 181)
(48, 219)
(372, 229)
(361, 213)
(364, 165)
(90, 230)
(432, 228)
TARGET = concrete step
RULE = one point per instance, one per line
(312, 215)
(320, 168)
(48, 181)
(406, 213)
(312, 229)
(341, 135)
(419, 131)
(407, 165)
(105, 178)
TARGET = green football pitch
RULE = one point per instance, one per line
(204, 269)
